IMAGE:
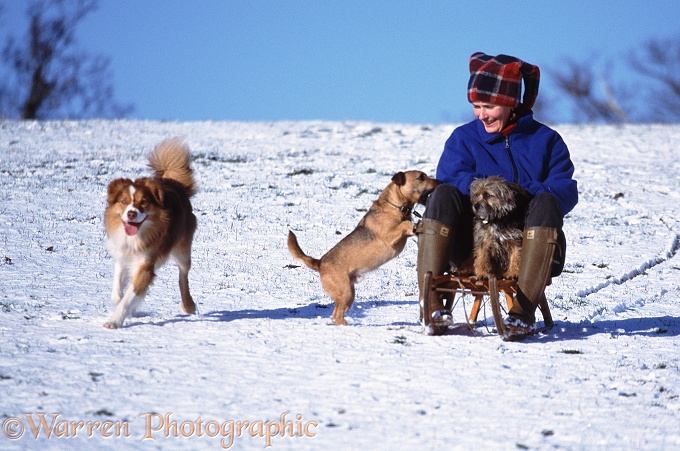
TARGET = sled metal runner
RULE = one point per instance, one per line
(450, 288)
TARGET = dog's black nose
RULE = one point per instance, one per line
(131, 215)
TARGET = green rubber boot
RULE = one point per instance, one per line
(434, 250)
(538, 249)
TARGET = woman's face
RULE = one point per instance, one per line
(494, 117)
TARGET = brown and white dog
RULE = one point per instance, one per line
(146, 221)
(380, 236)
(499, 208)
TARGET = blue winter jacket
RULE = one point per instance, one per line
(533, 155)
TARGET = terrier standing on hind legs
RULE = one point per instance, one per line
(147, 220)
(380, 236)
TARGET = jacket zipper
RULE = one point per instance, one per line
(512, 160)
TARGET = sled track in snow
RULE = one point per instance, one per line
(672, 252)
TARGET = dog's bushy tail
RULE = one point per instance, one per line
(171, 160)
(296, 252)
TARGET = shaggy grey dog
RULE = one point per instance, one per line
(499, 209)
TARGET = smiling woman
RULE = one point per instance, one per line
(494, 117)
(504, 141)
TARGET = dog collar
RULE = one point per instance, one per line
(405, 210)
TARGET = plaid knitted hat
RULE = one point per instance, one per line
(498, 80)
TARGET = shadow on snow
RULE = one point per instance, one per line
(663, 326)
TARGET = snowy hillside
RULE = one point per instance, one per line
(261, 350)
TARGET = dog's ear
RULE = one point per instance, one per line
(399, 178)
(522, 196)
(114, 189)
(153, 189)
(157, 192)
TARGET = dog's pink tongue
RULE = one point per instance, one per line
(131, 228)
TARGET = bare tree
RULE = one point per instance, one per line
(653, 97)
(659, 62)
(580, 84)
(51, 77)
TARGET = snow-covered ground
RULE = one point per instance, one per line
(261, 351)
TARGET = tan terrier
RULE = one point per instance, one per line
(380, 236)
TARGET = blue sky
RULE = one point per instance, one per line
(375, 60)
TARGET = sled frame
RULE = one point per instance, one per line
(452, 288)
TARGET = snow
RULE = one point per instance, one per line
(262, 350)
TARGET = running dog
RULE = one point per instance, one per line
(146, 221)
(499, 208)
(380, 236)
